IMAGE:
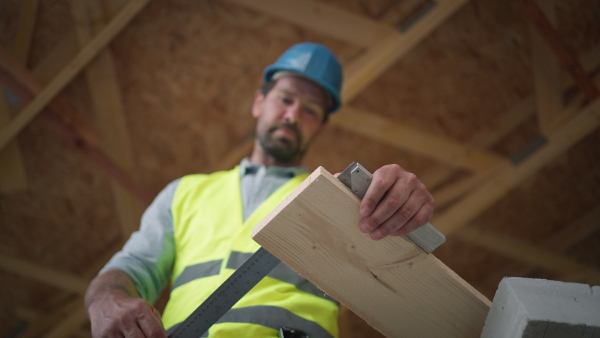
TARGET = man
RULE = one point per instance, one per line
(197, 231)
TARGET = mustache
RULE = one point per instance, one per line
(291, 126)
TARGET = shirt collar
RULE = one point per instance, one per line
(249, 168)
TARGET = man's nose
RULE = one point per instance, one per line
(292, 113)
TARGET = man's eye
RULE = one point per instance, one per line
(311, 111)
(286, 100)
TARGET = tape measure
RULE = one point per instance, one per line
(355, 177)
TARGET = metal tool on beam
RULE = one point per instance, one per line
(358, 179)
(355, 177)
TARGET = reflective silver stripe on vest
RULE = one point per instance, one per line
(270, 316)
(283, 273)
(197, 271)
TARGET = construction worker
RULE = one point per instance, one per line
(197, 230)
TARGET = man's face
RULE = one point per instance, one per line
(289, 117)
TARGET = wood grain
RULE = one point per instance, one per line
(392, 284)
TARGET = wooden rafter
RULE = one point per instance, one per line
(560, 242)
(331, 20)
(383, 54)
(470, 206)
(40, 323)
(60, 318)
(12, 172)
(107, 103)
(525, 251)
(409, 138)
(391, 45)
(547, 74)
(61, 280)
(509, 121)
(71, 70)
(563, 52)
(64, 116)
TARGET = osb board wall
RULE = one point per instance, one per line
(188, 71)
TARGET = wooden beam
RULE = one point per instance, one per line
(107, 103)
(383, 54)
(409, 138)
(569, 235)
(80, 133)
(41, 322)
(327, 19)
(63, 305)
(527, 252)
(508, 122)
(547, 73)
(451, 192)
(70, 323)
(392, 284)
(26, 86)
(28, 16)
(71, 70)
(470, 206)
(12, 172)
(61, 280)
(563, 52)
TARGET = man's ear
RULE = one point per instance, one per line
(259, 99)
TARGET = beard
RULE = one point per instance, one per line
(282, 150)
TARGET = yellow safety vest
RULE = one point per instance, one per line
(211, 241)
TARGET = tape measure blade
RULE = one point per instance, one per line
(227, 294)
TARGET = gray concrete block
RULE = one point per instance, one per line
(532, 308)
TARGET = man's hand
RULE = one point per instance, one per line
(114, 312)
(395, 204)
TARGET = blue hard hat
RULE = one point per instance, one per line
(315, 62)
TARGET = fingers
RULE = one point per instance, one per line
(150, 324)
(383, 179)
(396, 203)
(125, 317)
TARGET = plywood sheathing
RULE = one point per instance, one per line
(187, 71)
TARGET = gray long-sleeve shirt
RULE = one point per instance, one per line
(148, 255)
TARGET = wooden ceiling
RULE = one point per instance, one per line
(493, 104)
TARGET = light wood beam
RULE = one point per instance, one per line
(327, 19)
(63, 281)
(547, 73)
(396, 287)
(71, 70)
(41, 323)
(508, 122)
(561, 241)
(451, 192)
(79, 132)
(12, 172)
(63, 305)
(72, 322)
(388, 50)
(27, 19)
(379, 56)
(107, 104)
(563, 52)
(470, 206)
(527, 252)
(409, 138)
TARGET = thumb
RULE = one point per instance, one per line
(156, 314)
